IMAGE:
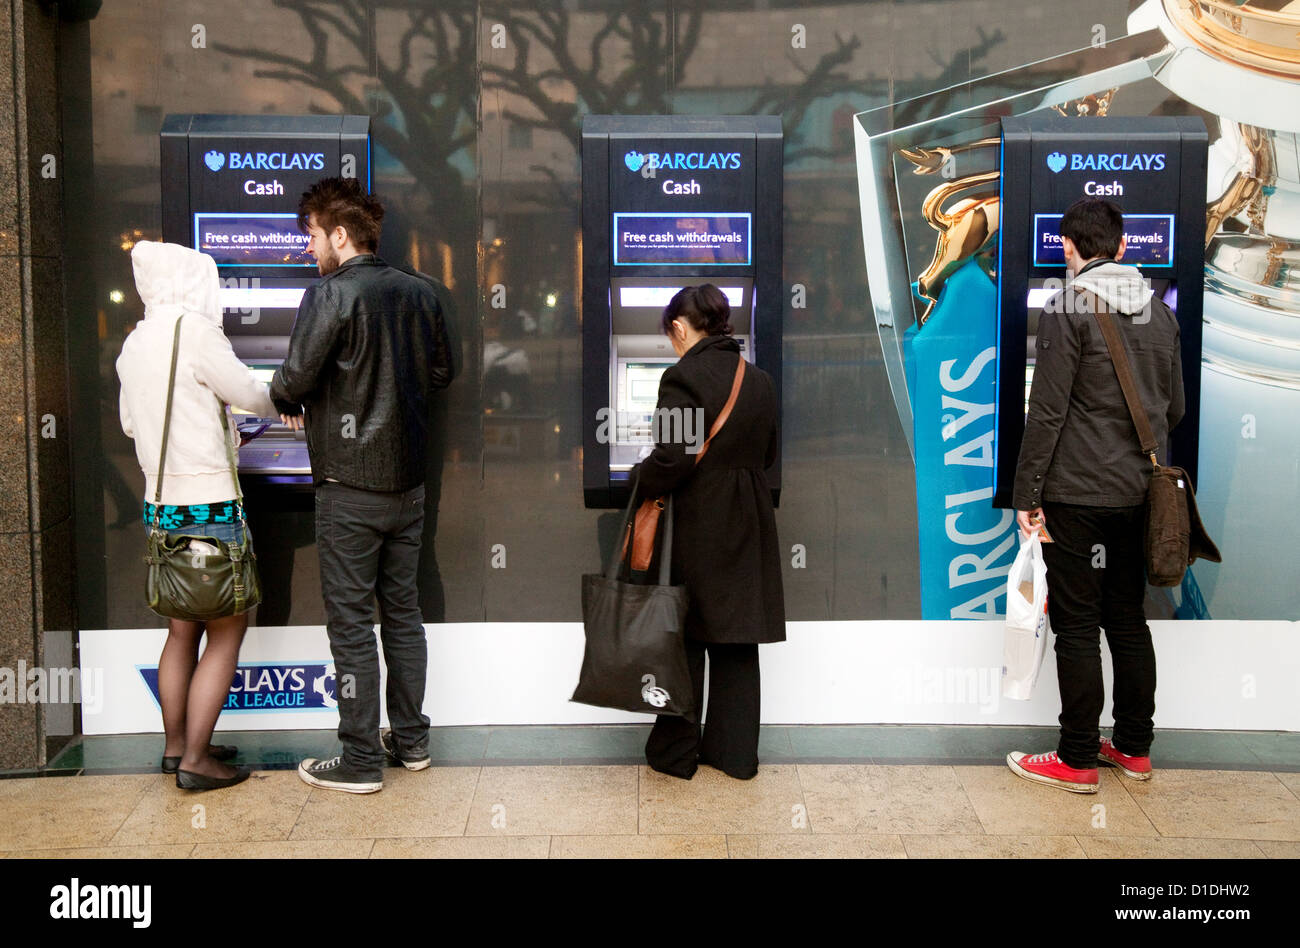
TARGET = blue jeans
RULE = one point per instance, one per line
(229, 532)
(369, 545)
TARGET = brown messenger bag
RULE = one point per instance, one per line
(647, 515)
(1175, 536)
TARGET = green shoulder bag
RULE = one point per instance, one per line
(198, 577)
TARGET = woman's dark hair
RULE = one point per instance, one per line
(343, 202)
(704, 308)
(1096, 227)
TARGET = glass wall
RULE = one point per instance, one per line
(476, 111)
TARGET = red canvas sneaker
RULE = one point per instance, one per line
(1139, 768)
(1050, 769)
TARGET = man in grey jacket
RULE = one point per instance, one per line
(1081, 476)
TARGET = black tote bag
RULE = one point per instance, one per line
(635, 658)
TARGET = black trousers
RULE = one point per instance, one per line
(1096, 578)
(730, 733)
(369, 547)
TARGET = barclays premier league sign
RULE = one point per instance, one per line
(278, 686)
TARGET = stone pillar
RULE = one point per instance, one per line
(36, 561)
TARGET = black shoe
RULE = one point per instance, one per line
(416, 759)
(680, 774)
(333, 774)
(747, 775)
(192, 781)
(216, 751)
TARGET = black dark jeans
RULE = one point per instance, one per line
(731, 730)
(369, 546)
(1096, 576)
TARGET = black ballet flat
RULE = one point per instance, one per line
(216, 751)
(192, 781)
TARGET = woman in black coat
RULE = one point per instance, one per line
(725, 548)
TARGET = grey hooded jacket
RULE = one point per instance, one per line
(1080, 446)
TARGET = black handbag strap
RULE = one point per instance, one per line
(618, 557)
(167, 424)
(666, 552)
(1124, 372)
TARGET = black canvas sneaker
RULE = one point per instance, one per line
(410, 759)
(333, 774)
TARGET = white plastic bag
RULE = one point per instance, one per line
(1025, 639)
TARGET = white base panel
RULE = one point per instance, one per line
(1217, 675)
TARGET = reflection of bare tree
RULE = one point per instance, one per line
(959, 68)
(624, 61)
(427, 84)
(651, 57)
(640, 43)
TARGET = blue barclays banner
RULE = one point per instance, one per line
(274, 686)
(966, 545)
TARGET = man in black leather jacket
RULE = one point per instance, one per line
(369, 349)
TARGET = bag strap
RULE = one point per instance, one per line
(167, 423)
(230, 457)
(726, 409)
(623, 539)
(1119, 359)
(666, 552)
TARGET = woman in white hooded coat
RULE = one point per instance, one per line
(198, 492)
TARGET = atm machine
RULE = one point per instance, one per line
(669, 201)
(1154, 168)
(231, 185)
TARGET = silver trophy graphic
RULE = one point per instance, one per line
(928, 175)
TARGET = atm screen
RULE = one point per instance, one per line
(1150, 240)
(714, 238)
(252, 240)
(643, 385)
(263, 373)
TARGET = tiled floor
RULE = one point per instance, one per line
(582, 792)
(625, 744)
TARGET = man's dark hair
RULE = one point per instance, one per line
(705, 308)
(342, 202)
(1096, 227)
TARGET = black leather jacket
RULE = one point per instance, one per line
(370, 346)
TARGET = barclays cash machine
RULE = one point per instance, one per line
(231, 185)
(669, 201)
(1154, 168)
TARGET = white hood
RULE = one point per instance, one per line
(1124, 289)
(172, 279)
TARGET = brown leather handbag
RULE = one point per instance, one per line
(647, 515)
(1175, 536)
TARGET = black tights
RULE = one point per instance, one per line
(192, 690)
